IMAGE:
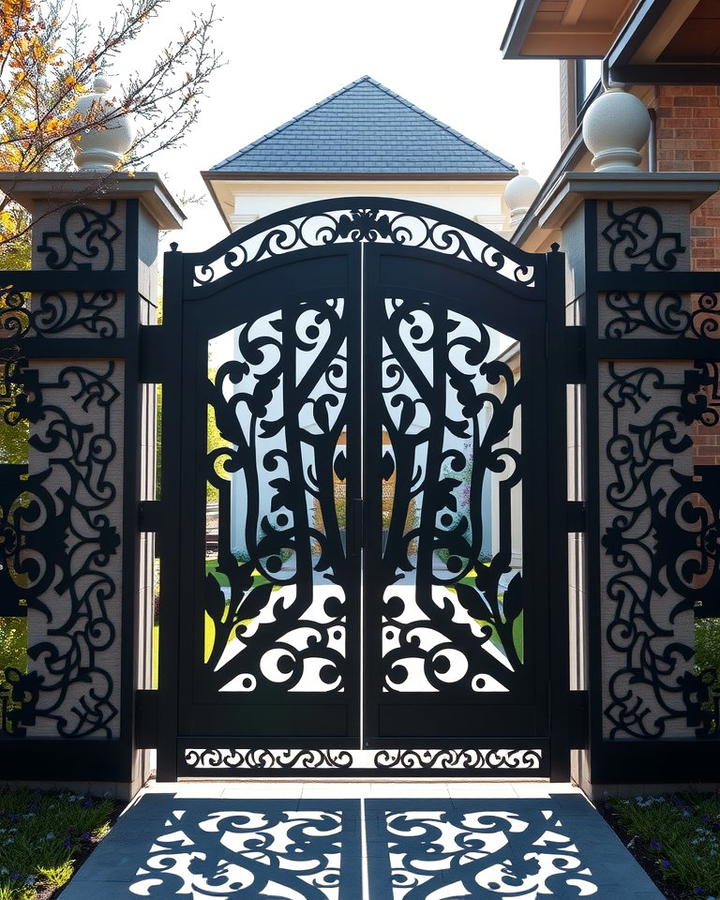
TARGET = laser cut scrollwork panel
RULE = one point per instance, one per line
(643, 238)
(85, 236)
(50, 314)
(390, 221)
(277, 586)
(81, 237)
(659, 510)
(642, 314)
(450, 568)
(467, 761)
(61, 549)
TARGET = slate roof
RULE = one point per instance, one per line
(365, 128)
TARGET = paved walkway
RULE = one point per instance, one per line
(360, 841)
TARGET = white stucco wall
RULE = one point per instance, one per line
(241, 202)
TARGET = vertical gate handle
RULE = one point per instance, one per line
(356, 526)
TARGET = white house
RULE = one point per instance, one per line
(362, 140)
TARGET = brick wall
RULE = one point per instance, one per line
(688, 140)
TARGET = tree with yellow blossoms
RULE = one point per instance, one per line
(48, 59)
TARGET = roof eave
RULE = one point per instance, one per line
(221, 175)
(518, 27)
(621, 65)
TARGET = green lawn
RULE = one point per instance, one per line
(42, 834)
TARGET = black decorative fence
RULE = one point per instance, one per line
(69, 411)
(365, 341)
(652, 459)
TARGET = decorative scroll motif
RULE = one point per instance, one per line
(11, 358)
(669, 314)
(662, 538)
(53, 313)
(324, 224)
(452, 617)
(257, 849)
(638, 240)
(280, 407)
(58, 542)
(438, 760)
(84, 239)
(462, 851)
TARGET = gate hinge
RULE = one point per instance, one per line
(146, 719)
(576, 516)
(578, 719)
(149, 515)
(575, 369)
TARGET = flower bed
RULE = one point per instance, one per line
(676, 838)
(44, 836)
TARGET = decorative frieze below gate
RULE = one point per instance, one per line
(428, 761)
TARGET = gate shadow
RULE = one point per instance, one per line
(383, 849)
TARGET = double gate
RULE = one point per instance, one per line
(364, 455)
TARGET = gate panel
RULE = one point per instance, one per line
(272, 385)
(363, 517)
(456, 597)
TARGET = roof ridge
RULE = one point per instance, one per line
(438, 122)
(294, 119)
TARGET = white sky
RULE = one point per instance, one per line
(285, 55)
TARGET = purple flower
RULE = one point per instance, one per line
(87, 803)
(655, 844)
(665, 863)
(85, 836)
(67, 843)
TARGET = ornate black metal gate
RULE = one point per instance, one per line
(362, 502)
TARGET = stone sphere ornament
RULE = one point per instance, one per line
(615, 128)
(519, 194)
(102, 148)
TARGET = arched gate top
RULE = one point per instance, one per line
(365, 220)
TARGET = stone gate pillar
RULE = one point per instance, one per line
(643, 418)
(78, 557)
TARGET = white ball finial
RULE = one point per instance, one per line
(101, 148)
(615, 128)
(519, 194)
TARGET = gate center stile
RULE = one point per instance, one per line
(363, 383)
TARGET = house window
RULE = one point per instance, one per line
(587, 82)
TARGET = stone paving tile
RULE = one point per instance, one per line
(360, 841)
